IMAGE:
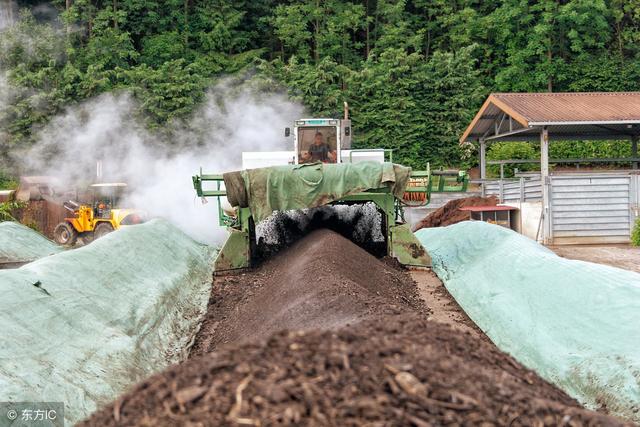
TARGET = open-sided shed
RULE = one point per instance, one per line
(587, 209)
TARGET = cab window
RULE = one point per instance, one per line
(318, 143)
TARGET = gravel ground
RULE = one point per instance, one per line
(621, 256)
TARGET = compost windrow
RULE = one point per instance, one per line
(323, 281)
(400, 370)
(450, 213)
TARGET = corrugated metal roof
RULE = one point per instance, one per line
(574, 107)
(580, 110)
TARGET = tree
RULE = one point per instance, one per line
(319, 87)
(171, 91)
(414, 71)
(416, 107)
(543, 38)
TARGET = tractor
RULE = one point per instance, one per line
(100, 217)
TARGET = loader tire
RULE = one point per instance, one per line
(65, 234)
(102, 229)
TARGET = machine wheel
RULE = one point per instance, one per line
(86, 237)
(102, 229)
(65, 234)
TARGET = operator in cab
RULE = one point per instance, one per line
(319, 151)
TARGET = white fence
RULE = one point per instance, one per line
(591, 209)
(515, 190)
(583, 208)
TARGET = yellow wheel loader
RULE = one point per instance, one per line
(102, 216)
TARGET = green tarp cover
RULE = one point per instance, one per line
(19, 243)
(282, 188)
(83, 325)
(575, 323)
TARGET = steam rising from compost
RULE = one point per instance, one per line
(8, 10)
(7, 13)
(158, 166)
(5, 91)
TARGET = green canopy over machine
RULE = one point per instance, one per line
(255, 194)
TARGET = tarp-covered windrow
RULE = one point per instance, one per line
(19, 243)
(289, 187)
(575, 323)
(81, 326)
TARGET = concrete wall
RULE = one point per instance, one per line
(527, 218)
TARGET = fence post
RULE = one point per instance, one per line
(547, 236)
(483, 159)
(634, 199)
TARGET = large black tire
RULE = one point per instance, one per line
(102, 229)
(86, 238)
(65, 234)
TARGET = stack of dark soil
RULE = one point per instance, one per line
(321, 282)
(450, 213)
(395, 371)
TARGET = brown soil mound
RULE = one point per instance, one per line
(450, 213)
(321, 282)
(398, 371)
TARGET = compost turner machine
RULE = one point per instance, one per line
(247, 197)
(322, 169)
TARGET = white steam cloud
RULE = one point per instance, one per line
(8, 13)
(5, 90)
(8, 10)
(6, 95)
(158, 167)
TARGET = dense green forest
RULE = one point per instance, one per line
(414, 71)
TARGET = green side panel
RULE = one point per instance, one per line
(235, 252)
(407, 249)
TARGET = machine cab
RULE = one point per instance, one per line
(316, 140)
(321, 140)
(105, 197)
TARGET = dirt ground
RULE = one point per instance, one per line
(442, 307)
(325, 334)
(8, 265)
(621, 256)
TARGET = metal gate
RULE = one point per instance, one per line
(514, 190)
(592, 208)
